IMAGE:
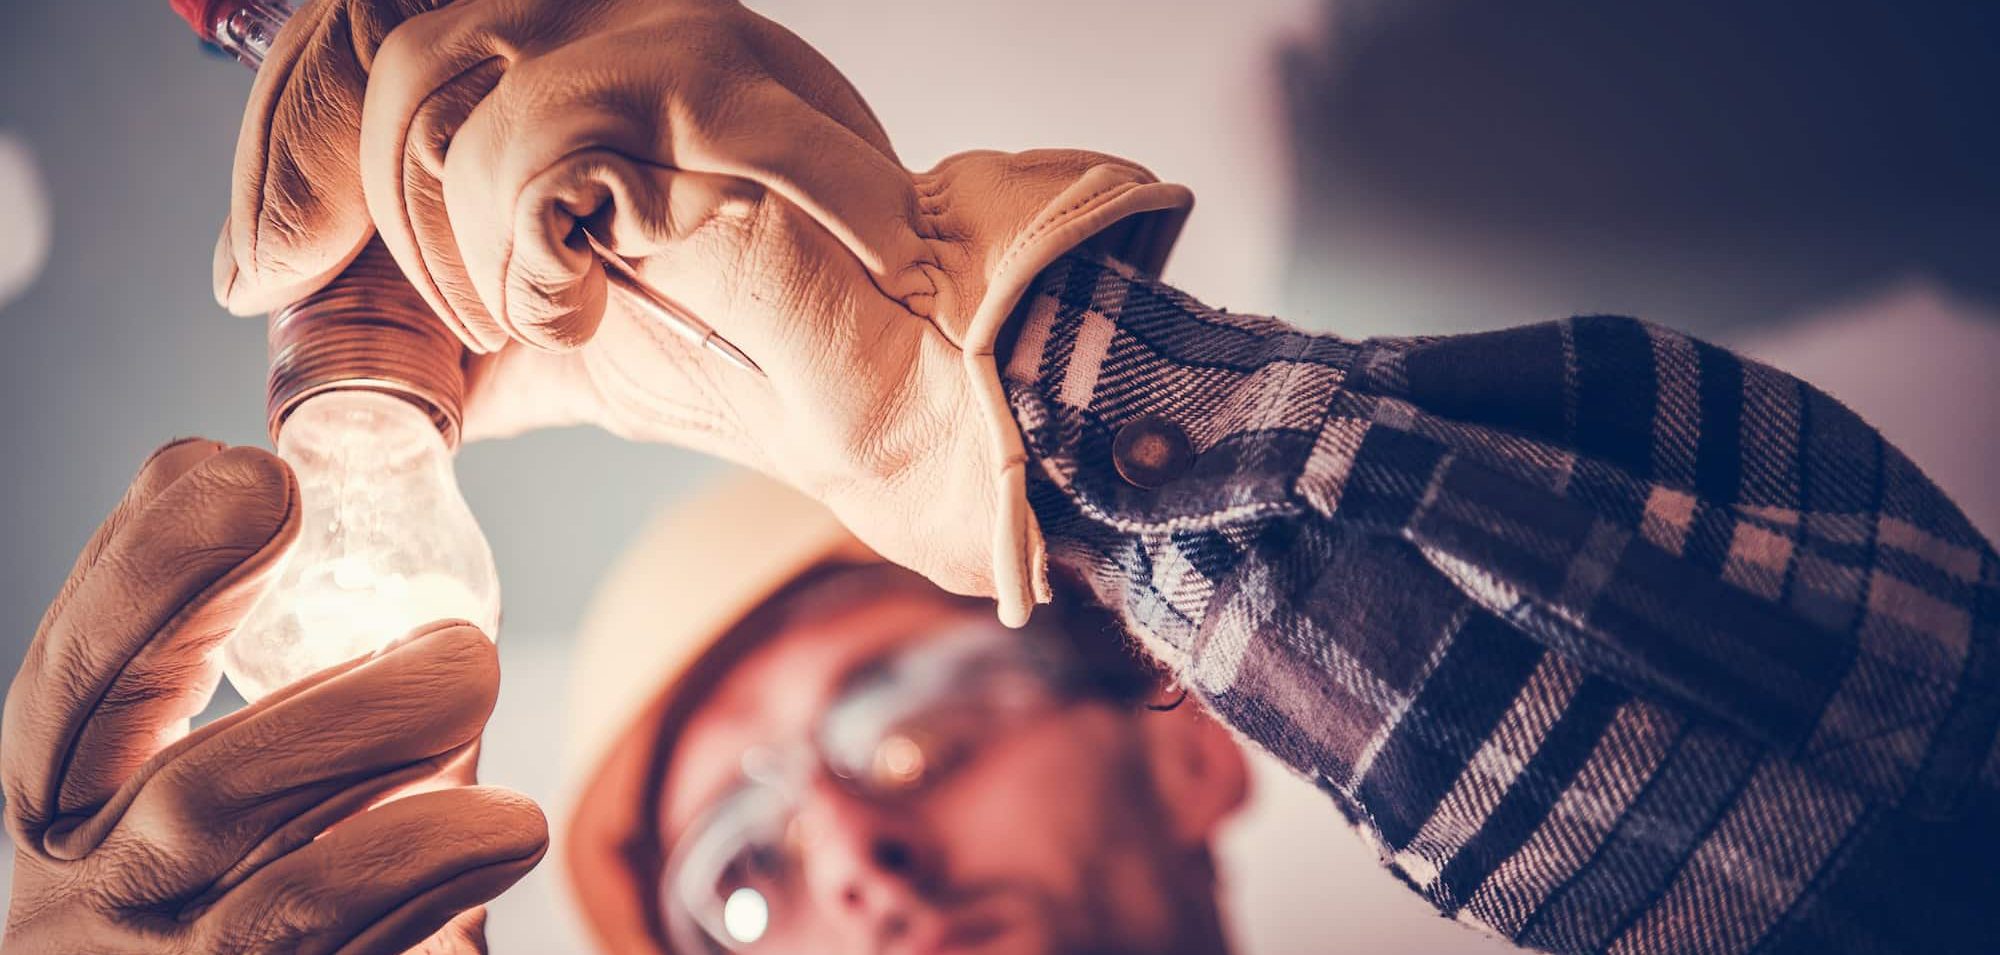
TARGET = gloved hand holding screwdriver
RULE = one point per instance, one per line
(745, 178)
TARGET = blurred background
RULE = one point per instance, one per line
(1813, 183)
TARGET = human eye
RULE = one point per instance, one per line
(756, 864)
(747, 895)
(730, 881)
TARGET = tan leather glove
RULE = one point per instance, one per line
(747, 180)
(254, 833)
(296, 213)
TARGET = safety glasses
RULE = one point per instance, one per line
(733, 882)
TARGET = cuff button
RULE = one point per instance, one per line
(1151, 452)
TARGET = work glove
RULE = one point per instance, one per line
(748, 181)
(266, 830)
(296, 213)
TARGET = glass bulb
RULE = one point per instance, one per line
(386, 543)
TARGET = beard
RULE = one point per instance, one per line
(1143, 893)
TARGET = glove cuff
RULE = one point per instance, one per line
(1120, 210)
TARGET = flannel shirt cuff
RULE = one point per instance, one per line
(1099, 347)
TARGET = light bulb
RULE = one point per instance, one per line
(386, 543)
(365, 399)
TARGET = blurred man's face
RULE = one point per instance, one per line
(1081, 828)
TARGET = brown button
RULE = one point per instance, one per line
(1150, 452)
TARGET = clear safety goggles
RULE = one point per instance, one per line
(734, 881)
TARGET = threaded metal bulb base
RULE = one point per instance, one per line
(367, 330)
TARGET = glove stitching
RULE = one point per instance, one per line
(1060, 217)
(708, 420)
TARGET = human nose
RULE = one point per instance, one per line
(864, 864)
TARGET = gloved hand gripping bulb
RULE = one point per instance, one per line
(365, 400)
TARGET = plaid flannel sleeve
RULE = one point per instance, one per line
(1608, 639)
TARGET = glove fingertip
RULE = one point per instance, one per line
(223, 272)
(171, 460)
(460, 648)
(276, 276)
(246, 293)
(248, 492)
(519, 827)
